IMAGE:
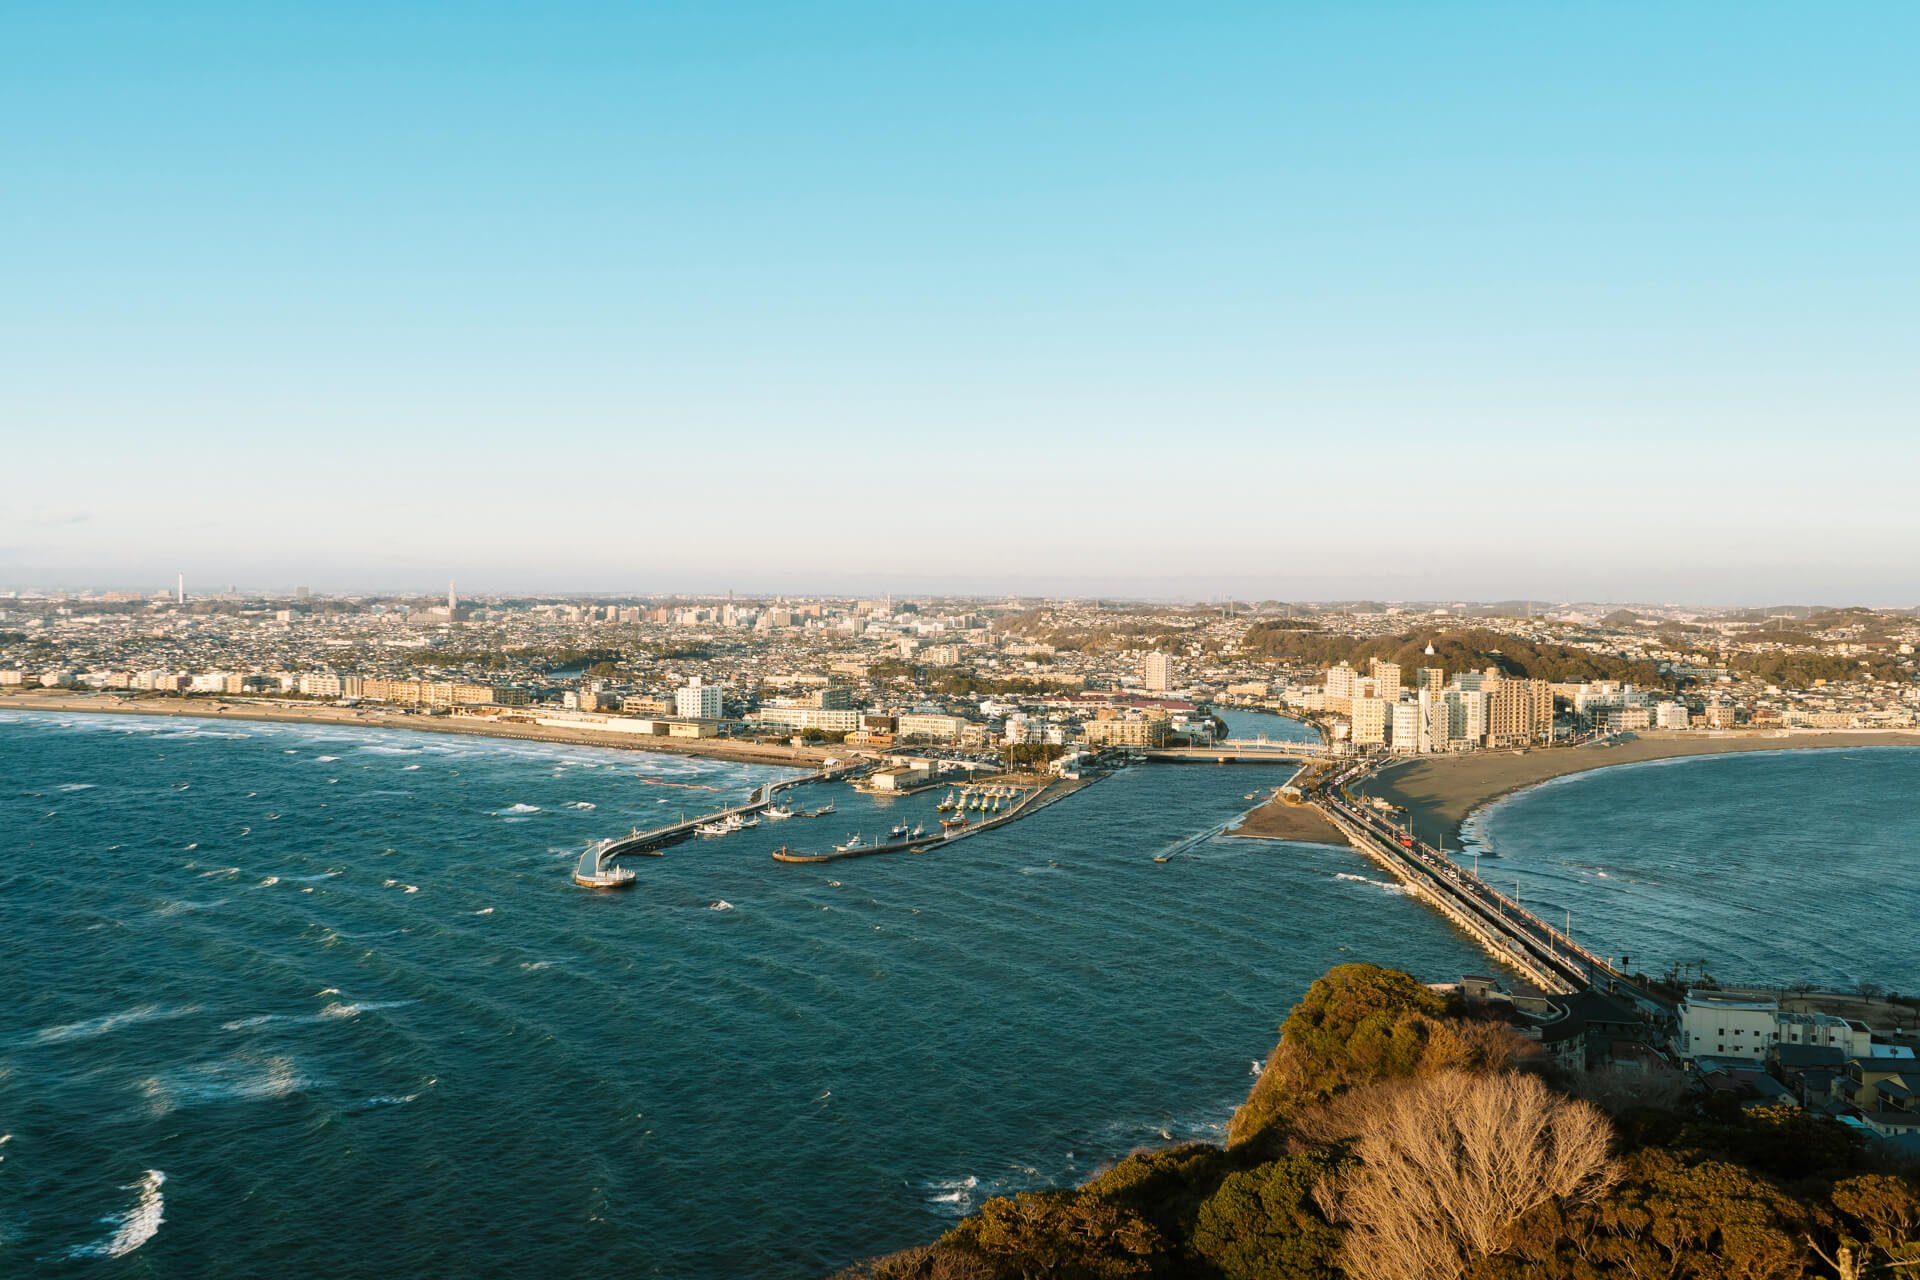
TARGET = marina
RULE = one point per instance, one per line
(595, 869)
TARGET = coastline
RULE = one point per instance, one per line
(380, 718)
(1278, 820)
(1443, 792)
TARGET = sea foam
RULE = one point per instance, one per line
(92, 1027)
(134, 1227)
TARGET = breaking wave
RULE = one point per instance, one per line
(134, 1227)
(107, 1023)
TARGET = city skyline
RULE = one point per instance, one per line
(1137, 302)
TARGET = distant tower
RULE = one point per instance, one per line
(180, 590)
(452, 600)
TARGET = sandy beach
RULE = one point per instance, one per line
(1278, 820)
(1442, 791)
(394, 718)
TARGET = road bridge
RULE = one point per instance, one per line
(1535, 946)
(1242, 751)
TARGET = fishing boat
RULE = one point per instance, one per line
(898, 831)
(822, 811)
(712, 829)
(778, 813)
(607, 878)
(955, 824)
(853, 843)
(947, 805)
(919, 829)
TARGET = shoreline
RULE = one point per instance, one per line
(369, 718)
(1446, 792)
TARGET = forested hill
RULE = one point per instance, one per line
(1473, 649)
(1393, 1137)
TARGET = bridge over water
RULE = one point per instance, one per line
(1245, 751)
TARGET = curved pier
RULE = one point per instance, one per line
(596, 872)
(1039, 799)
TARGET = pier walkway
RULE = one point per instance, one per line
(593, 872)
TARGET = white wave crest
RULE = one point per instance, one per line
(360, 1007)
(720, 904)
(134, 1227)
(270, 880)
(325, 759)
(516, 809)
(92, 1027)
(484, 911)
(581, 804)
(76, 786)
(1387, 885)
(955, 1191)
(238, 1079)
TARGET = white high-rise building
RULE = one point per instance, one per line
(1439, 719)
(697, 701)
(1156, 672)
(1342, 683)
(1406, 729)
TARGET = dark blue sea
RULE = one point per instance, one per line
(306, 1001)
(1768, 867)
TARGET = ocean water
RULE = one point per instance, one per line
(299, 1000)
(1771, 866)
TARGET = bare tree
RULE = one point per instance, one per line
(1449, 1164)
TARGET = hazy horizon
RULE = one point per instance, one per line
(481, 589)
(1298, 301)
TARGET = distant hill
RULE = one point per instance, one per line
(1471, 649)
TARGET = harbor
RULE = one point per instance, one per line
(596, 869)
(966, 809)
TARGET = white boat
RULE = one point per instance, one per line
(853, 842)
(898, 832)
(919, 829)
(822, 811)
(713, 829)
(778, 813)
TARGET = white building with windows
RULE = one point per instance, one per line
(1746, 1024)
(1722, 1024)
(1406, 730)
(697, 701)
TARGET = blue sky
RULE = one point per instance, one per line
(1290, 300)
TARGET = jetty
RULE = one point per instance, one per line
(1179, 847)
(596, 869)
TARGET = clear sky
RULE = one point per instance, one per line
(1414, 300)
